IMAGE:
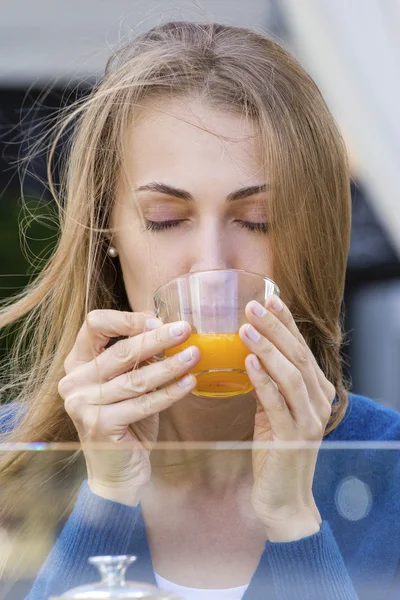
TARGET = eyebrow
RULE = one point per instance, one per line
(163, 188)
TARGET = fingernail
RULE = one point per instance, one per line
(186, 355)
(153, 324)
(177, 329)
(256, 362)
(252, 333)
(276, 304)
(186, 381)
(258, 309)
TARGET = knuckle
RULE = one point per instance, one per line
(73, 404)
(326, 411)
(172, 392)
(296, 379)
(265, 378)
(274, 324)
(136, 381)
(121, 351)
(62, 387)
(95, 317)
(315, 430)
(268, 348)
(65, 386)
(331, 391)
(158, 335)
(132, 320)
(302, 357)
(279, 403)
(145, 403)
(171, 366)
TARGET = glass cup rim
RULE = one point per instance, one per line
(186, 275)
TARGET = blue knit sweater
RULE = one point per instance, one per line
(356, 554)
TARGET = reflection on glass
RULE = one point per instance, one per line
(355, 488)
(113, 583)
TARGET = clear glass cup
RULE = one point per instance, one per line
(113, 584)
(214, 302)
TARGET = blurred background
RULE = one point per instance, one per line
(51, 53)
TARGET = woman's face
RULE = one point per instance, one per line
(181, 172)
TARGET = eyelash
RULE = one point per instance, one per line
(160, 225)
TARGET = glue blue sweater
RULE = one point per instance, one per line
(356, 553)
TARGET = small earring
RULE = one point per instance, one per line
(112, 252)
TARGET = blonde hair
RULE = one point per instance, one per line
(232, 69)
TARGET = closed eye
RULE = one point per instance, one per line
(162, 225)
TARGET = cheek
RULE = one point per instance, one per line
(256, 254)
(146, 265)
(134, 258)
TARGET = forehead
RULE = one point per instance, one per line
(187, 136)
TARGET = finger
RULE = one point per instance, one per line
(297, 353)
(287, 424)
(146, 379)
(287, 377)
(268, 395)
(280, 310)
(126, 354)
(133, 410)
(97, 330)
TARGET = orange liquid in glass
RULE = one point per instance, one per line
(221, 371)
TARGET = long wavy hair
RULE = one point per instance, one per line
(304, 155)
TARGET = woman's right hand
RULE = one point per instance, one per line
(110, 401)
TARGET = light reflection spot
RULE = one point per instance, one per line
(353, 499)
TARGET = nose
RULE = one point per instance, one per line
(211, 250)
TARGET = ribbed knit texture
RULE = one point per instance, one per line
(310, 568)
(356, 553)
(96, 527)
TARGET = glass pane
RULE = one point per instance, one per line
(193, 530)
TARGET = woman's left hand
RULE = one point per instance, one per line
(294, 403)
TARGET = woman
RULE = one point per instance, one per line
(206, 146)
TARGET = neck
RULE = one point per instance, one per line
(198, 419)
